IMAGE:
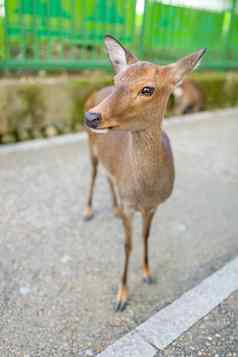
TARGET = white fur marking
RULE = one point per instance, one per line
(197, 64)
(99, 131)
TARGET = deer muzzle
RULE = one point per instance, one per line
(92, 120)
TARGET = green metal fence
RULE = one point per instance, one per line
(68, 34)
(171, 31)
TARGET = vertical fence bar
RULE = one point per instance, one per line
(153, 24)
(72, 30)
(124, 11)
(114, 22)
(34, 32)
(142, 33)
(60, 31)
(21, 33)
(161, 37)
(94, 29)
(48, 42)
(6, 34)
(84, 28)
(106, 23)
(229, 32)
(133, 23)
(46, 36)
(169, 29)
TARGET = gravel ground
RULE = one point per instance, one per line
(58, 274)
(216, 335)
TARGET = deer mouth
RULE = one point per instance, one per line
(102, 130)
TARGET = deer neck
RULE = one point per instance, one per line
(146, 148)
(146, 144)
(148, 141)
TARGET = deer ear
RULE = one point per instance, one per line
(187, 64)
(119, 56)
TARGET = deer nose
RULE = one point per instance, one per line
(92, 119)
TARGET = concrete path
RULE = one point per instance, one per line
(58, 274)
(167, 326)
(216, 335)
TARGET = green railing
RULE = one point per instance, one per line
(171, 31)
(68, 34)
(63, 34)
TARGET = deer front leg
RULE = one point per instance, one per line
(88, 212)
(116, 208)
(147, 219)
(122, 294)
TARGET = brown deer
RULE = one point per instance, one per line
(134, 151)
(188, 98)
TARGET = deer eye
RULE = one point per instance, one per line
(147, 91)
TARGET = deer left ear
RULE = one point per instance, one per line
(119, 56)
(187, 64)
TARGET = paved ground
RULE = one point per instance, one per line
(216, 335)
(58, 274)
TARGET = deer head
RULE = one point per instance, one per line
(141, 90)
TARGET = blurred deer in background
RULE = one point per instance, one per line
(125, 136)
(188, 98)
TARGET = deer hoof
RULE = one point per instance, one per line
(88, 213)
(120, 306)
(121, 300)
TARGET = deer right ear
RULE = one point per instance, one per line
(119, 56)
(187, 64)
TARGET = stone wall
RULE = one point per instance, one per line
(38, 107)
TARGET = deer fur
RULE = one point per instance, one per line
(126, 138)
